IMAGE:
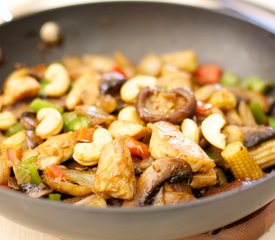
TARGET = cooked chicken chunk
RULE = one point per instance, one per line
(168, 141)
(54, 150)
(115, 174)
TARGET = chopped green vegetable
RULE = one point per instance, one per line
(258, 113)
(37, 104)
(43, 84)
(271, 122)
(256, 84)
(221, 177)
(73, 122)
(229, 79)
(26, 171)
(15, 128)
(54, 196)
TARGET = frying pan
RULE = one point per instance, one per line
(138, 28)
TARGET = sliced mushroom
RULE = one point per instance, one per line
(35, 191)
(172, 169)
(29, 123)
(174, 193)
(111, 83)
(95, 115)
(255, 135)
(154, 105)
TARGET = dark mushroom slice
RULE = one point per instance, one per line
(161, 170)
(155, 105)
(111, 83)
(95, 115)
(35, 191)
(226, 187)
(29, 123)
(254, 135)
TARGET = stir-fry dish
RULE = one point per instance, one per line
(99, 131)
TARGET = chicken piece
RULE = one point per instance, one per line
(204, 179)
(81, 93)
(168, 141)
(179, 79)
(115, 174)
(54, 150)
(19, 86)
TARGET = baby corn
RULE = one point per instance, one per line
(264, 154)
(242, 165)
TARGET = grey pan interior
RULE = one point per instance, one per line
(136, 29)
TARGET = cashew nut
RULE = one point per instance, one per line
(129, 114)
(190, 130)
(87, 154)
(211, 130)
(51, 123)
(7, 119)
(59, 80)
(50, 33)
(120, 128)
(131, 88)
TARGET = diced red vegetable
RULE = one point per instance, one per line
(207, 74)
(203, 108)
(14, 156)
(54, 171)
(137, 148)
(85, 134)
(120, 70)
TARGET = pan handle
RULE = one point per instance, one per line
(252, 14)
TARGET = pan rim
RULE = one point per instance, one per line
(147, 209)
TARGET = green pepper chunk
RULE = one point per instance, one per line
(43, 84)
(54, 197)
(256, 84)
(73, 122)
(229, 79)
(258, 113)
(27, 172)
(15, 128)
(271, 122)
(37, 104)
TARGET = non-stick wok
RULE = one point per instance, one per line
(137, 29)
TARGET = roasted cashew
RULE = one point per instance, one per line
(190, 130)
(51, 123)
(211, 130)
(50, 33)
(59, 80)
(88, 154)
(131, 88)
(129, 114)
(7, 119)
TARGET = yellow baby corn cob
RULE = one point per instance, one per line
(264, 154)
(242, 165)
